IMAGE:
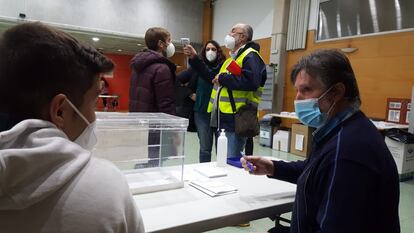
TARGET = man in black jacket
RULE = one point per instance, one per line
(349, 183)
(245, 85)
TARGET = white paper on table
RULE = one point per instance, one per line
(299, 142)
(213, 188)
(211, 171)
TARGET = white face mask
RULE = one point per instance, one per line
(211, 55)
(87, 139)
(170, 50)
(229, 42)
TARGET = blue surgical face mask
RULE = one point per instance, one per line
(309, 113)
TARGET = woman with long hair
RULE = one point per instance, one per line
(204, 67)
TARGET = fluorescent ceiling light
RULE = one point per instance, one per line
(96, 39)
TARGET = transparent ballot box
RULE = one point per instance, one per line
(147, 147)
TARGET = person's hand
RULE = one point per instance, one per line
(193, 97)
(189, 51)
(257, 165)
(215, 80)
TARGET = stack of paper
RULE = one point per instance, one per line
(213, 188)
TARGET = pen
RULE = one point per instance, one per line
(250, 166)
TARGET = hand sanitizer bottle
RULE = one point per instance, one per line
(221, 150)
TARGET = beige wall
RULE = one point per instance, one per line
(383, 65)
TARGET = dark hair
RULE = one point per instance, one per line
(220, 55)
(37, 62)
(329, 66)
(155, 34)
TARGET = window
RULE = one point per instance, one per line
(345, 18)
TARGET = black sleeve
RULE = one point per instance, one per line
(193, 82)
(202, 69)
(288, 171)
(185, 75)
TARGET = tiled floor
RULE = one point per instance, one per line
(262, 225)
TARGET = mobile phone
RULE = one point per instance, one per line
(185, 41)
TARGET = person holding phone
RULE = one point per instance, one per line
(203, 69)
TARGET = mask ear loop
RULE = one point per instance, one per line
(77, 111)
(323, 95)
(330, 109)
(327, 91)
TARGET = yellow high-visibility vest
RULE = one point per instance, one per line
(240, 97)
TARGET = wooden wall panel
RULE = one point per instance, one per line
(383, 65)
(180, 60)
(207, 21)
(265, 48)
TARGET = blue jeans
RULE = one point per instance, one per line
(205, 135)
(235, 144)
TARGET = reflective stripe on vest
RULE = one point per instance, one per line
(240, 97)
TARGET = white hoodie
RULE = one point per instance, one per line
(50, 184)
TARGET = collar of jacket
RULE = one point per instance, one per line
(250, 44)
(323, 131)
(148, 57)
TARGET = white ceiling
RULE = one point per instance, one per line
(108, 42)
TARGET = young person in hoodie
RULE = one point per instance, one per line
(246, 86)
(152, 86)
(49, 182)
(153, 75)
(349, 183)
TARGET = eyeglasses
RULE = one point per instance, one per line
(240, 33)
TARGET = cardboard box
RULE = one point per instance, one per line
(281, 140)
(398, 110)
(403, 155)
(301, 140)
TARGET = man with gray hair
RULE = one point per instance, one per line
(239, 83)
(349, 182)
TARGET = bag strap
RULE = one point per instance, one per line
(233, 105)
